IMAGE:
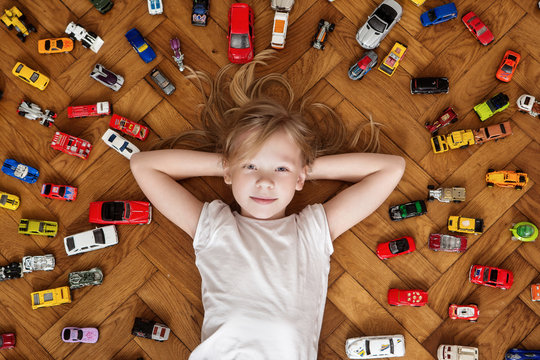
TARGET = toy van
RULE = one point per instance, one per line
(279, 31)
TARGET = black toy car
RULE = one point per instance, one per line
(324, 27)
(199, 14)
(407, 210)
(150, 329)
(429, 85)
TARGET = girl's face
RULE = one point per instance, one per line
(264, 185)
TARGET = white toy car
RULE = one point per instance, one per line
(457, 352)
(375, 347)
(36, 263)
(107, 77)
(118, 143)
(528, 104)
(378, 24)
(87, 38)
(155, 7)
(279, 32)
(91, 240)
(32, 111)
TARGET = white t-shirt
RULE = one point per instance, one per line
(264, 284)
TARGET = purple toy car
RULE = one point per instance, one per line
(178, 56)
(75, 334)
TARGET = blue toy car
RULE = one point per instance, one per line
(363, 66)
(20, 171)
(439, 14)
(199, 14)
(520, 354)
(140, 45)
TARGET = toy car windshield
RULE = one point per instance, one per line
(377, 24)
(431, 15)
(493, 275)
(34, 77)
(239, 41)
(399, 246)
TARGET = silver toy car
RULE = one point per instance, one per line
(378, 24)
(162, 82)
(324, 28)
(107, 77)
(363, 66)
(80, 279)
(32, 111)
(39, 262)
(446, 195)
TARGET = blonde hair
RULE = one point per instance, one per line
(254, 107)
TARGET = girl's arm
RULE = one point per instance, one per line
(156, 173)
(374, 175)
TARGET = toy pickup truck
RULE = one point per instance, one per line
(465, 225)
(528, 104)
(492, 106)
(446, 195)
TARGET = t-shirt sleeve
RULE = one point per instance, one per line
(211, 214)
(313, 223)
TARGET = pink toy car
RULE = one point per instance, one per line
(75, 334)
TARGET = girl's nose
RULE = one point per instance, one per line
(265, 182)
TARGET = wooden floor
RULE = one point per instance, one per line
(151, 272)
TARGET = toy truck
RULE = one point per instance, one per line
(281, 22)
(71, 145)
(446, 195)
(14, 18)
(460, 139)
(465, 225)
(38, 263)
(99, 109)
(438, 143)
(492, 106)
(87, 38)
(32, 111)
(150, 329)
(528, 104)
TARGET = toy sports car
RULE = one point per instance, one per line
(84, 335)
(54, 46)
(129, 127)
(38, 227)
(140, 45)
(363, 66)
(60, 192)
(9, 201)
(106, 77)
(464, 312)
(398, 297)
(508, 66)
(240, 33)
(477, 28)
(30, 76)
(378, 24)
(491, 276)
(396, 247)
(449, 243)
(120, 212)
(407, 210)
(118, 143)
(32, 111)
(20, 171)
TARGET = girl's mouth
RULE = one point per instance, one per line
(262, 201)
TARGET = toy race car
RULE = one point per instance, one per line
(71, 145)
(492, 106)
(129, 127)
(449, 116)
(464, 312)
(32, 111)
(448, 243)
(30, 76)
(508, 66)
(465, 225)
(375, 347)
(323, 28)
(9, 201)
(524, 231)
(20, 171)
(79, 279)
(178, 57)
(363, 66)
(505, 178)
(60, 192)
(396, 247)
(446, 195)
(491, 276)
(199, 13)
(391, 61)
(14, 18)
(140, 45)
(150, 329)
(398, 297)
(407, 210)
(55, 46)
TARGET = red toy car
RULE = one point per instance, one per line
(465, 312)
(61, 192)
(7, 341)
(478, 28)
(396, 247)
(99, 109)
(240, 33)
(508, 66)
(120, 212)
(449, 243)
(71, 145)
(129, 127)
(398, 297)
(449, 116)
(491, 276)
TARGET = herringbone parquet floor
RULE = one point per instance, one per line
(151, 272)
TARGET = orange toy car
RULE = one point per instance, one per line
(535, 292)
(508, 66)
(53, 46)
(504, 178)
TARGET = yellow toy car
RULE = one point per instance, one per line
(38, 227)
(418, 2)
(438, 143)
(13, 18)
(34, 78)
(54, 46)
(391, 61)
(460, 139)
(465, 225)
(51, 297)
(9, 201)
(504, 178)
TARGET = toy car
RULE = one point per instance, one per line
(155, 7)
(13, 18)
(11, 271)
(83, 335)
(54, 46)
(398, 297)
(430, 85)
(87, 38)
(199, 13)
(535, 292)
(140, 45)
(448, 116)
(464, 312)
(32, 77)
(407, 210)
(457, 352)
(505, 178)
(240, 33)
(91, 240)
(363, 66)
(396, 247)
(508, 66)
(391, 61)
(32, 111)
(477, 28)
(491, 276)
(99, 109)
(118, 143)
(150, 329)
(106, 77)
(492, 106)
(465, 225)
(446, 195)
(524, 231)
(522, 354)
(80, 279)
(7, 341)
(120, 212)
(460, 139)
(528, 104)
(20, 171)
(51, 297)
(103, 6)
(71, 145)
(418, 2)
(129, 127)
(438, 144)
(60, 192)
(9, 201)
(492, 132)
(38, 227)
(448, 243)
(439, 14)
(323, 28)
(279, 29)
(378, 24)
(375, 347)
(164, 83)
(38, 263)
(178, 57)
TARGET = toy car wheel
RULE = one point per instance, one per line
(519, 187)
(321, 23)
(21, 36)
(431, 187)
(32, 28)
(519, 171)
(456, 201)
(331, 28)
(453, 120)
(434, 133)
(22, 113)
(72, 37)
(431, 198)
(475, 320)
(490, 170)
(490, 184)
(322, 47)
(522, 111)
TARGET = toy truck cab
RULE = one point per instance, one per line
(465, 225)
(460, 139)
(446, 195)
(438, 143)
(528, 104)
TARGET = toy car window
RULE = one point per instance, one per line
(368, 350)
(512, 57)
(239, 41)
(34, 77)
(3, 199)
(65, 334)
(386, 13)
(112, 137)
(47, 189)
(431, 15)
(79, 334)
(59, 44)
(70, 243)
(99, 236)
(47, 44)
(48, 296)
(507, 69)
(482, 30)
(62, 191)
(377, 24)
(36, 299)
(42, 227)
(19, 68)
(391, 346)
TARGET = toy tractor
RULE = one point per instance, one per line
(13, 18)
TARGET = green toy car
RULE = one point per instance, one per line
(524, 231)
(407, 210)
(492, 106)
(102, 5)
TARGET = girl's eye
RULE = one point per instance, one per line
(249, 167)
(282, 168)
